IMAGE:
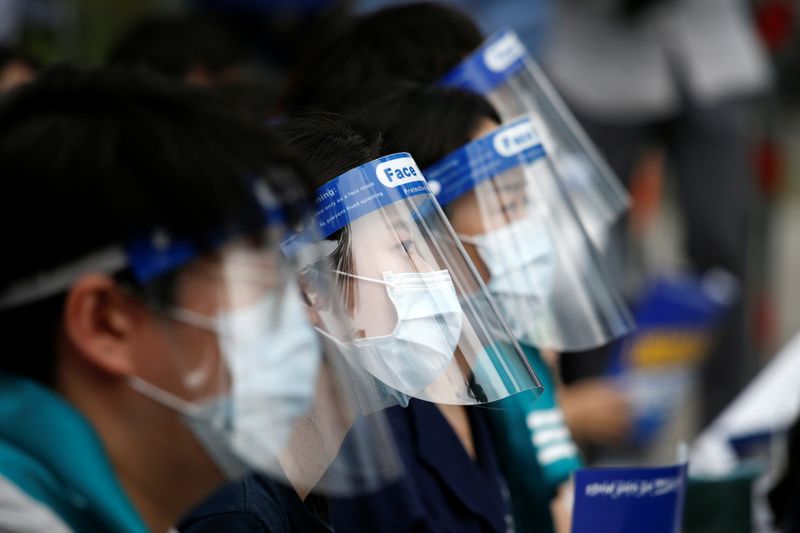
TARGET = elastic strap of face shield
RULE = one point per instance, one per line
(147, 257)
(46, 284)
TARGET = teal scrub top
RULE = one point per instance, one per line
(52, 453)
(534, 448)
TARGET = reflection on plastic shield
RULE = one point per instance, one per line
(507, 147)
(502, 71)
(490, 65)
(629, 500)
(367, 188)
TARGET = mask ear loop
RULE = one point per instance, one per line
(362, 278)
(354, 276)
(330, 337)
(192, 318)
(167, 399)
(199, 321)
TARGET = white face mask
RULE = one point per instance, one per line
(274, 357)
(424, 340)
(521, 260)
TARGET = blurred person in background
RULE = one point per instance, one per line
(355, 61)
(677, 72)
(187, 47)
(16, 68)
(201, 51)
(107, 390)
(533, 28)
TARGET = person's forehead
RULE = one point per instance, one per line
(384, 222)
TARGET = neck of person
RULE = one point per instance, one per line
(317, 438)
(162, 468)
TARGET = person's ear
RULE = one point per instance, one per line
(312, 302)
(101, 322)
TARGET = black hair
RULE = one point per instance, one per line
(331, 144)
(173, 44)
(201, 43)
(418, 41)
(91, 159)
(427, 121)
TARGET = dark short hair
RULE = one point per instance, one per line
(173, 44)
(427, 121)
(331, 144)
(418, 42)
(89, 159)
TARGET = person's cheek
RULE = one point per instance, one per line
(475, 257)
(375, 315)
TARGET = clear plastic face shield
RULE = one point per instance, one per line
(423, 323)
(503, 72)
(233, 352)
(505, 202)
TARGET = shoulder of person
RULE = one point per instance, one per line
(249, 504)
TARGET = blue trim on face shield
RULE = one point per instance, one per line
(158, 253)
(507, 147)
(365, 189)
(498, 58)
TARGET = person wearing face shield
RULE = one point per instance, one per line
(426, 334)
(527, 253)
(157, 343)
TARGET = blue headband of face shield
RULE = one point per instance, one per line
(499, 57)
(358, 192)
(147, 257)
(507, 147)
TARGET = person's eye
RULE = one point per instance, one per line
(516, 206)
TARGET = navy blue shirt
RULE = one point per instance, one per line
(444, 489)
(253, 504)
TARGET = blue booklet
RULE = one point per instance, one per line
(629, 500)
